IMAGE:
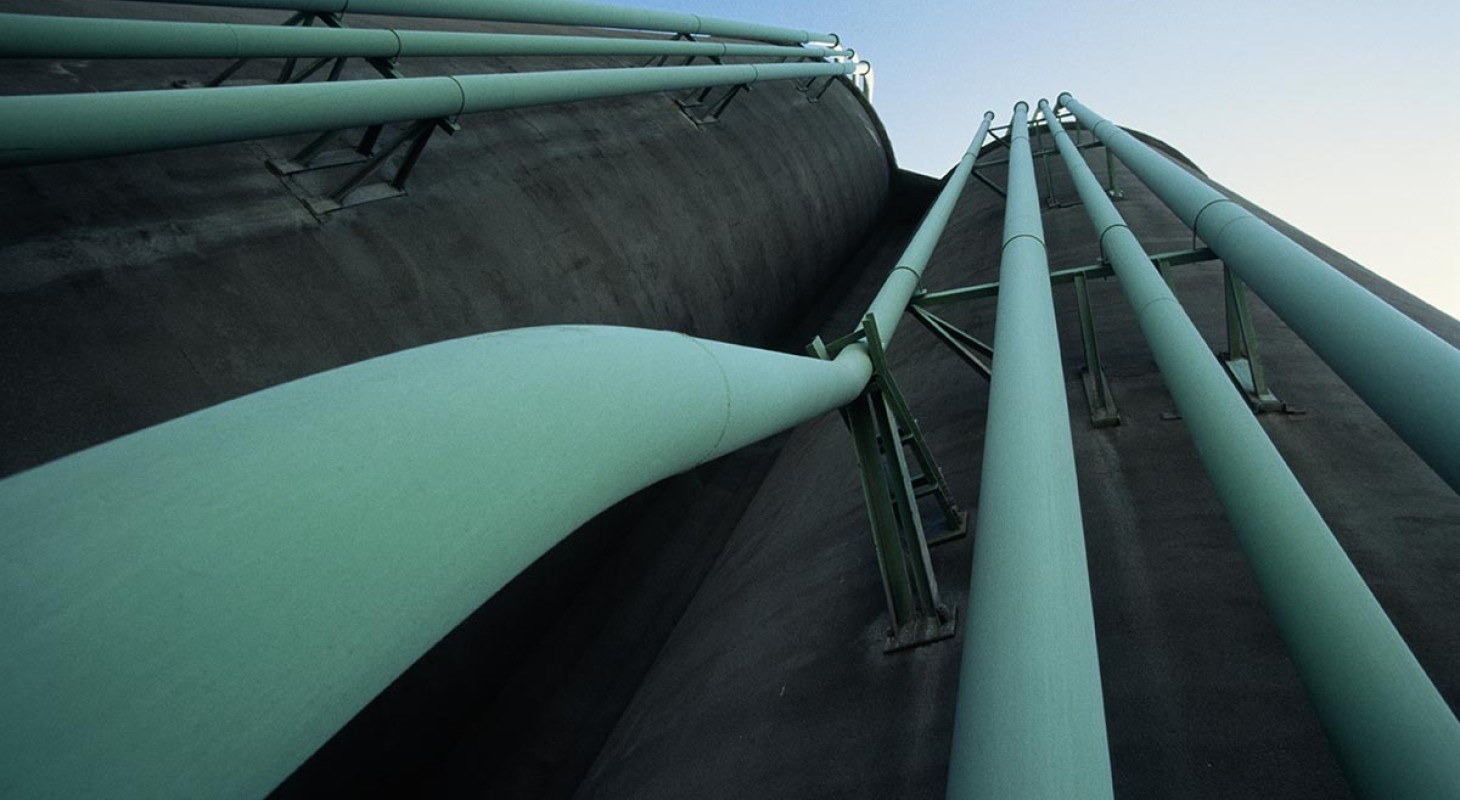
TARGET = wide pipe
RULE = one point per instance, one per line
(892, 299)
(547, 12)
(1029, 721)
(1392, 731)
(1407, 374)
(36, 36)
(192, 610)
(50, 128)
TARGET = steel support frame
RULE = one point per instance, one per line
(1241, 359)
(883, 428)
(302, 19)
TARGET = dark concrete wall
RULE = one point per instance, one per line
(143, 287)
(774, 684)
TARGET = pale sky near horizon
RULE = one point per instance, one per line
(1336, 116)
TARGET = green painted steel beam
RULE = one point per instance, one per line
(1030, 722)
(193, 609)
(902, 283)
(35, 36)
(1407, 374)
(548, 12)
(1392, 731)
(50, 128)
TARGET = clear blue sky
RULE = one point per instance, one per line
(1338, 116)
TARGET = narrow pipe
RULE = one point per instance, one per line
(192, 610)
(1029, 722)
(902, 282)
(35, 36)
(1392, 731)
(547, 12)
(1408, 375)
(50, 128)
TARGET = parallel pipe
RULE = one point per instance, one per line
(1030, 722)
(1392, 731)
(35, 36)
(1407, 374)
(50, 128)
(892, 299)
(546, 12)
(192, 610)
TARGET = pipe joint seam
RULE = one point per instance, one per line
(461, 90)
(400, 46)
(725, 382)
(1196, 222)
(1108, 229)
(1018, 236)
(699, 24)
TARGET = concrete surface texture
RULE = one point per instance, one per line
(720, 635)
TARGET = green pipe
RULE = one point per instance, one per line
(50, 128)
(1029, 722)
(192, 610)
(1392, 731)
(34, 36)
(1408, 375)
(548, 12)
(892, 299)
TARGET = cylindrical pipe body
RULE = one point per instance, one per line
(36, 36)
(1394, 735)
(887, 307)
(547, 12)
(192, 610)
(1407, 374)
(49, 128)
(1030, 722)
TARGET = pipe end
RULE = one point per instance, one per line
(988, 116)
(863, 68)
(1021, 107)
(1061, 99)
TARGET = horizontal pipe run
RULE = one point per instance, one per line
(1029, 721)
(35, 36)
(1407, 374)
(888, 306)
(193, 609)
(547, 12)
(50, 128)
(1394, 735)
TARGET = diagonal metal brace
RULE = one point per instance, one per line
(1241, 360)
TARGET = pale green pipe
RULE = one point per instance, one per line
(1029, 722)
(50, 128)
(34, 36)
(548, 12)
(1392, 731)
(192, 610)
(1407, 374)
(892, 299)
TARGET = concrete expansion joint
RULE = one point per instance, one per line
(725, 383)
(1196, 221)
(461, 90)
(1022, 236)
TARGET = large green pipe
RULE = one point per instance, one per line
(49, 128)
(191, 610)
(1408, 375)
(1030, 722)
(35, 36)
(548, 12)
(1394, 735)
(887, 307)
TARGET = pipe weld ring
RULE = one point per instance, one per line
(1011, 239)
(1108, 229)
(1196, 222)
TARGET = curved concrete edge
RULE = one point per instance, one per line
(193, 609)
